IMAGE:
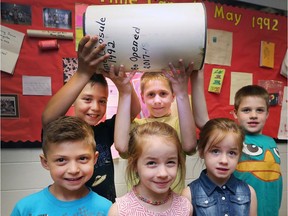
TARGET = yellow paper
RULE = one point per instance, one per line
(216, 80)
(267, 54)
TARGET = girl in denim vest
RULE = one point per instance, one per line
(217, 191)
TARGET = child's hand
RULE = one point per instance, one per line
(179, 78)
(88, 55)
(120, 79)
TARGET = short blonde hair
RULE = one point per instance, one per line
(148, 76)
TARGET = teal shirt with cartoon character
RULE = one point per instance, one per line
(259, 166)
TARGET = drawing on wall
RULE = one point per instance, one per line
(57, 18)
(267, 54)
(19, 14)
(9, 106)
(70, 66)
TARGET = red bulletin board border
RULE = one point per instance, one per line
(247, 35)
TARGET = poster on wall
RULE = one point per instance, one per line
(247, 28)
(57, 18)
(283, 127)
(19, 14)
(9, 106)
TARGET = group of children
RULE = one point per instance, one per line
(242, 167)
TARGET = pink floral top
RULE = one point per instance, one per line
(129, 205)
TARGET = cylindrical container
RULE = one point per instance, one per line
(146, 37)
(48, 44)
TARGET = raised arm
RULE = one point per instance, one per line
(88, 60)
(124, 113)
(198, 101)
(179, 79)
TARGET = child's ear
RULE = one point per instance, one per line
(142, 98)
(173, 97)
(44, 162)
(235, 114)
(96, 157)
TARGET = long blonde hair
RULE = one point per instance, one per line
(135, 147)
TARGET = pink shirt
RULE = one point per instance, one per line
(129, 204)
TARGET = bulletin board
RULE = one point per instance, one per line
(246, 27)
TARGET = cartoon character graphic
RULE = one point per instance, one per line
(264, 163)
(259, 166)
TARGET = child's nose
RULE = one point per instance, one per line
(224, 159)
(253, 114)
(95, 105)
(162, 171)
(73, 167)
(157, 99)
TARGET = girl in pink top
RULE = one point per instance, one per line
(155, 161)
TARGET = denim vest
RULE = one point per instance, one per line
(208, 199)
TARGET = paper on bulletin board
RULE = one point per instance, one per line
(216, 80)
(36, 85)
(11, 42)
(219, 47)
(283, 128)
(239, 80)
(267, 51)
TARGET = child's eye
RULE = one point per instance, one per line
(87, 99)
(233, 153)
(163, 94)
(151, 163)
(103, 102)
(215, 151)
(151, 95)
(260, 110)
(84, 158)
(171, 163)
(246, 110)
(60, 160)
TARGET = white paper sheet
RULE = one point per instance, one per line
(283, 128)
(36, 85)
(239, 80)
(11, 42)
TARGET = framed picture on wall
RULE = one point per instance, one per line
(19, 14)
(9, 106)
(57, 18)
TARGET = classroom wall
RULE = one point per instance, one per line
(22, 174)
(241, 29)
(21, 171)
